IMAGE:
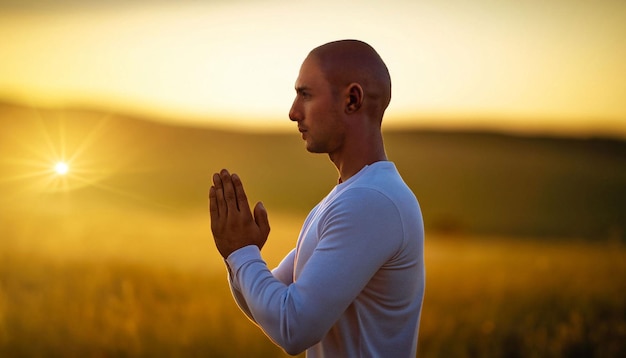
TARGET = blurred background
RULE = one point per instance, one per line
(508, 121)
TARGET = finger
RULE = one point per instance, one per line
(240, 194)
(217, 181)
(229, 191)
(213, 211)
(219, 196)
(261, 219)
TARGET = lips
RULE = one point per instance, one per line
(302, 131)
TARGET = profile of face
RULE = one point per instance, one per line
(318, 109)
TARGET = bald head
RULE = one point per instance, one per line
(351, 61)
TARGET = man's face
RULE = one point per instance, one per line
(318, 110)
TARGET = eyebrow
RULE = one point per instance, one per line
(301, 89)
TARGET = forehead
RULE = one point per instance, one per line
(311, 74)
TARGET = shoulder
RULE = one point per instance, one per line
(383, 182)
(363, 206)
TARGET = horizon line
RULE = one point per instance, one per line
(468, 123)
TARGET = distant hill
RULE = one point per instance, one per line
(467, 182)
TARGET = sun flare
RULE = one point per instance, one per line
(61, 168)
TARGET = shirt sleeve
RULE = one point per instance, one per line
(355, 240)
(283, 272)
(240, 300)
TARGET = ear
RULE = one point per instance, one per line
(354, 99)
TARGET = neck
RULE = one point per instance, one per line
(355, 156)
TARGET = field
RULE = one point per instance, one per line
(130, 291)
(525, 246)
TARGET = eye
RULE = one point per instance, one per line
(303, 92)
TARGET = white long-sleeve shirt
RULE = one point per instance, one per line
(354, 284)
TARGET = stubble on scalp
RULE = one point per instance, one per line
(352, 61)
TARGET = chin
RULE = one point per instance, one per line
(311, 148)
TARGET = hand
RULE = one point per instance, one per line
(232, 223)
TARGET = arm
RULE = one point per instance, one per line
(284, 273)
(234, 227)
(353, 246)
(284, 270)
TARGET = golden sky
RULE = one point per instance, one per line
(551, 66)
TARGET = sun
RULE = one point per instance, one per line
(61, 168)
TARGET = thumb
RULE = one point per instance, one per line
(260, 217)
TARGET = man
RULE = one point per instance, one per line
(353, 286)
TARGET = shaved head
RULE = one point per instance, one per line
(351, 61)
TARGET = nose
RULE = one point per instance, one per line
(294, 113)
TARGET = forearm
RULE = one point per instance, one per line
(240, 300)
(346, 256)
(283, 272)
(276, 307)
(298, 315)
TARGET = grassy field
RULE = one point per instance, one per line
(470, 183)
(525, 247)
(83, 287)
(524, 298)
